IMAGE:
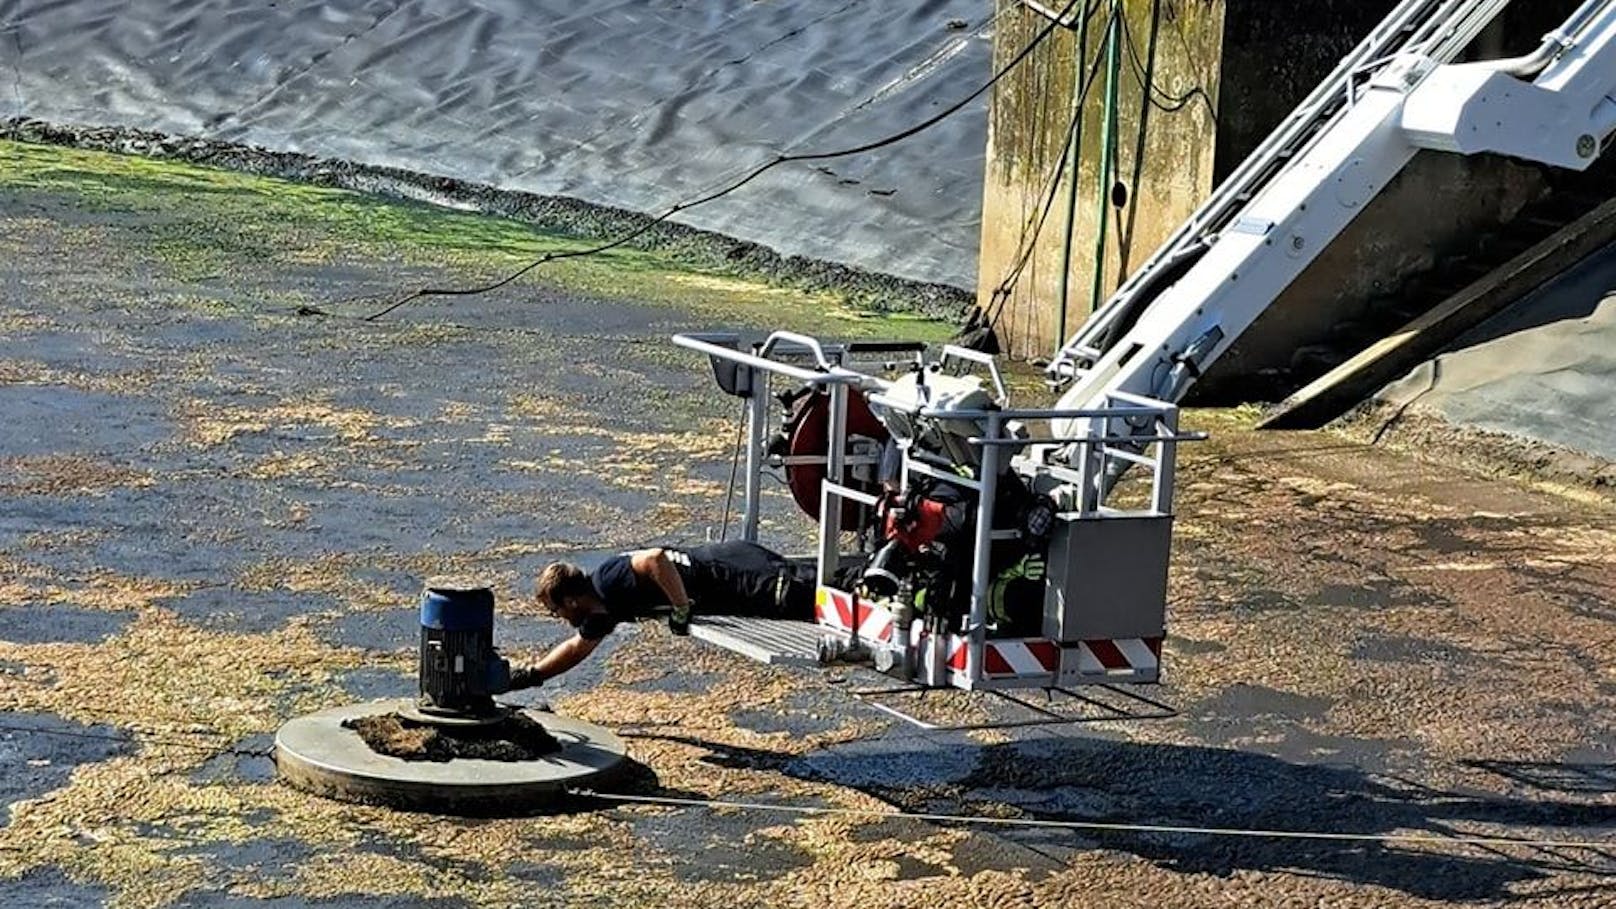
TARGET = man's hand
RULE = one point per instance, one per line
(525, 677)
(561, 657)
(679, 618)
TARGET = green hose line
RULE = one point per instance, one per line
(1108, 138)
(1079, 64)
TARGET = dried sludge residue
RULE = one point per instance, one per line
(518, 737)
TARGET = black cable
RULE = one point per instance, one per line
(1027, 245)
(1169, 102)
(1031, 230)
(759, 171)
(1189, 54)
(67, 733)
(116, 718)
(1125, 234)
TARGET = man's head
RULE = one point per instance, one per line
(565, 591)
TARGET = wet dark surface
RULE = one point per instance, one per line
(801, 714)
(53, 421)
(249, 760)
(1255, 701)
(537, 875)
(249, 611)
(1069, 778)
(378, 684)
(50, 888)
(700, 846)
(45, 624)
(892, 764)
(39, 753)
(268, 860)
(1193, 648)
(1395, 649)
(383, 631)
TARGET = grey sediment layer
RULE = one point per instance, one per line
(867, 290)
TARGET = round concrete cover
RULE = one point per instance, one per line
(316, 754)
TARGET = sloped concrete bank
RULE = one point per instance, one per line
(625, 103)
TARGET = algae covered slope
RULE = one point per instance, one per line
(200, 225)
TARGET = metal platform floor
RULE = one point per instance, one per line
(778, 642)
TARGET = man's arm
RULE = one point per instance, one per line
(561, 657)
(655, 565)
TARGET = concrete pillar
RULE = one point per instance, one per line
(1162, 161)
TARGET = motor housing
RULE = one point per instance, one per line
(460, 669)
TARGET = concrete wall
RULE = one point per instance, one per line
(1274, 54)
(1031, 113)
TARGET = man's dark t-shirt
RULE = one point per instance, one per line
(733, 578)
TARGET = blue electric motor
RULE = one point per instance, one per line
(460, 669)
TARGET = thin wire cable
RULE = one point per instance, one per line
(1098, 826)
(135, 736)
(185, 738)
(1125, 232)
(934, 817)
(756, 172)
(967, 819)
(1033, 227)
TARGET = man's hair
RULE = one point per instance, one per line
(559, 580)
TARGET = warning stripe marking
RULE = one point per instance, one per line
(1031, 657)
(1137, 653)
(1107, 654)
(1037, 657)
(1099, 657)
(839, 610)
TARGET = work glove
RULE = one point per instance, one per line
(679, 618)
(889, 507)
(525, 677)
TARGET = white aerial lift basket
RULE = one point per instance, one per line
(1105, 578)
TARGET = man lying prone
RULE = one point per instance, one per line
(733, 578)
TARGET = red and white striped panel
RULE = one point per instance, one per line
(959, 654)
(837, 609)
(1018, 658)
(1119, 655)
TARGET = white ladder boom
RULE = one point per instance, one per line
(1324, 165)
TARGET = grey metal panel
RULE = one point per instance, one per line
(778, 642)
(1107, 578)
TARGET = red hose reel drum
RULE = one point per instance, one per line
(808, 430)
